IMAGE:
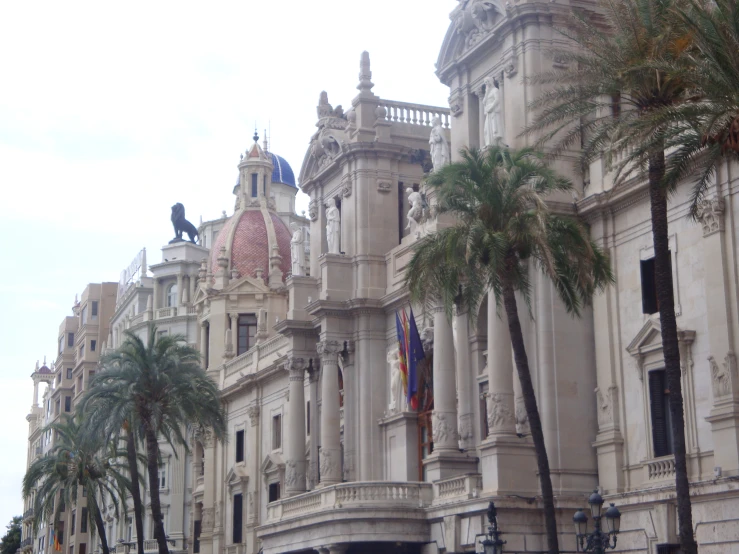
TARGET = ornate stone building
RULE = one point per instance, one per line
(323, 453)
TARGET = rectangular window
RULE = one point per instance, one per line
(84, 315)
(163, 476)
(71, 549)
(240, 446)
(247, 332)
(238, 518)
(61, 344)
(254, 185)
(94, 310)
(70, 339)
(93, 345)
(484, 410)
(82, 350)
(83, 522)
(196, 537)
(69, 373)
(67, 403)
(274, 492)
(83, 548)
(276, 432)
(307, 418)
(74, 522)
(659, 396)
(649, 286)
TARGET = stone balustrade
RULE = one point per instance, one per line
(162, 313)
(661, 468)
(456, 488)
(352, 495)
(248, 361)
(415, 114)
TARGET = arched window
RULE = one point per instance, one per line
(172, 295)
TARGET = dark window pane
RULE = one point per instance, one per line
(238, 518)
(240, 446)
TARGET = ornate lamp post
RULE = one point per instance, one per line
(492, 543)
(598, 541)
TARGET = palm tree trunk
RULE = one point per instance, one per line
(138, 507)
(152, 453)
(532, 410)
(670, 349)
(101, 528)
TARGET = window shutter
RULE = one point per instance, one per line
(657, 405)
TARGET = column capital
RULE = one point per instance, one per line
(253, 413)
(710, 212)
(329, 350)
(233, 316)
(296, 367)
(348, 353)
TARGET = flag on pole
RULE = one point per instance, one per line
(402, 351)
(414, 355)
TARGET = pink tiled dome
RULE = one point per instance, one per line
(250, 248)
(44, 370)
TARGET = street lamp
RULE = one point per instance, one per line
(492, 543)
(597, 541)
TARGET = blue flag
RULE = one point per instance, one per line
(414, 355)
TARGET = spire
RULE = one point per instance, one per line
(265, 144)
(365, 75)
(256, 135)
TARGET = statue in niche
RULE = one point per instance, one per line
(438, 145)
(181, 225)
(333, 227)
(297, 248)
(415, 214)
(397, 400)
(493, 129)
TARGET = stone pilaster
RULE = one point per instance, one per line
(350, 411)
(295, 445)
(464, 379)
(330, 454)
(313, 377)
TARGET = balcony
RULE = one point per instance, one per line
(348, 512)
(661, 469)
(28, 514)
(150, 546)
(27, 543)
(454, 489)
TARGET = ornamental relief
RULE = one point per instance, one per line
(442, 429)
(474, 20)
(723, 375)
(499, 414)
(710, 212)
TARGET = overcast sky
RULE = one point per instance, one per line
(112, 112)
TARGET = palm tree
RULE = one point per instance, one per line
(503, 224)
(111, 421)
(75, 461)
(606, 101)
(160, 386)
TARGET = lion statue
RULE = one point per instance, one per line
(182, 225)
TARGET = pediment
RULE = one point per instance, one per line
(648, 339)
(646, 346)
(272, 463)
(237, 474)
(246, 284)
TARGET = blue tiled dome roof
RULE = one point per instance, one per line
(282, 173)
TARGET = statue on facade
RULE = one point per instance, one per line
(333, 227)
(438, 145)
(181, 225)
(296, 249)
(415, 214)
(493, 129)
(397, 402)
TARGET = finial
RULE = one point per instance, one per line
(365, 75)
(44, 359)
(265, 144)
(37, 365)
(256, 135)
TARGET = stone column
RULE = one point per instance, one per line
(330, 455)
(191, 281)
(204, 343)
(35, 392)
(156, 293)
(295, 444)
(444, 416)
(350, 411)
(500, 401)
(313, 375)
(464, 378)
(254, 456)
(234, 332)
(178, 300)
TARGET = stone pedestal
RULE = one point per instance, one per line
(508, 466)
(401, 445)
(445, 464)
(336, 277)
(301, 292)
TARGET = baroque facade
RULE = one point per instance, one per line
(323, 454)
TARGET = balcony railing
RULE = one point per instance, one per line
(661, 468)
(28, 514)
(26, 543)
(166, 312)
(463, 486)
(415, 114)
(352, 495)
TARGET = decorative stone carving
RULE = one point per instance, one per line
(415, 214)
(465, 427)
(297, 249)
(208, 519)
(294, 477)
(510, 68)
(522, 417)
(710, 213)
(427, 339)
(499, 415)
(396, 384)
(253, 413)
(250, 501)
(723, 376)
(346, 187)
(443, 429)
(474, 19)
(456, 108)
(313, 210)
(384, 187)
(438, 145)
(328, 463)
(605, 406)
(493, 109)
(333, 227)
(559, 61)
